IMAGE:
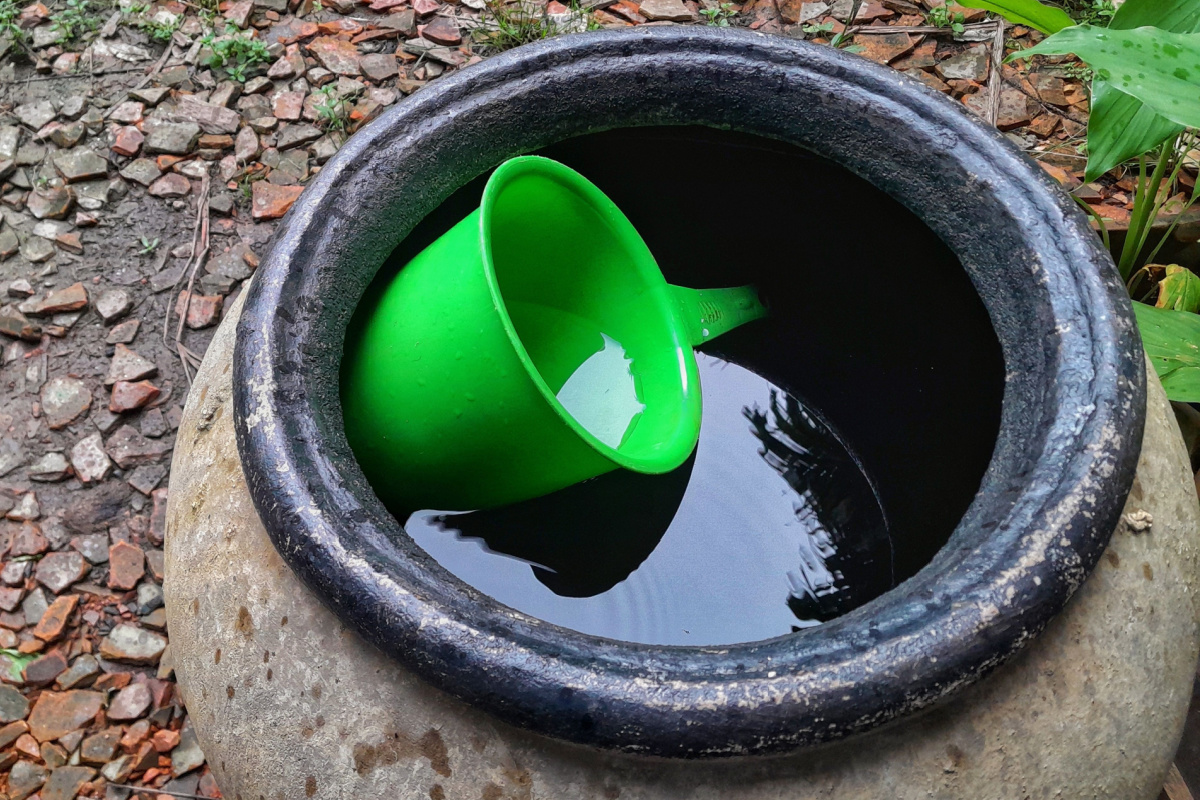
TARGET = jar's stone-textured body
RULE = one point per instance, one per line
(298, 705)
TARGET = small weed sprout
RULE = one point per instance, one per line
(74, 20)
(157, 31)
(9, 29)
(1090, 12)
(518, 23)
(237, 55)
(333, 110)
(812, 29)
(718, 16)
(943, 17)
(148, 245)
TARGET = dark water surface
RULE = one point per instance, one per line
(770, 526)
(748, 540)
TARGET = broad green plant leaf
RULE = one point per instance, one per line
(1160, 68)
(1026, 12)
(1179, 290)
(1121, 126)
(1177, 16)
(1172, 340)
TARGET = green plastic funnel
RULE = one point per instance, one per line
(534, 345)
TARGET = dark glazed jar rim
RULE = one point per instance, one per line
(1064, 460)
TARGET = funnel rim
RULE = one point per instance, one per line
(683, 441)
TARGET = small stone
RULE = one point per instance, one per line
(158, 517)
(295, 135)
(65, 782)
(81, 670)
(69, 135)
(10, 598)
(20, 288)
(336, 55)
(64, 400)
(126, 565)
(112, 304)
(155, 560)
(211, 118)
(149, 597)
(80, 164)
(44, 669)
(129, 448)
(34, 606)
(35, 114)
(672, 10)
(142, 170)
(89, 460)
(187, 756)
(99, 748)
(50, 468)
(154, 423)
(58, 713)
(13, 705)
(130, 703)
(202, 311)
(69, 242)
(245, 146)
(124, 333)
(127, 113)
(165, 741)
(128, 396)
(36, 250)
(239, 13)
(128, 141)
(28, 746)
(13, 574)
(378, 66)
(9, 243)
(444, 32)
(170, 185)
(288, 105)
(57, 571)
(24, 779)
(28, 541)
(50, 203)
(173, 138)
(94, 547)
(133, 645)
(971, 64)
(27, 508)
(272, 202)
(54, 622)
(10, 733)
(127, 365)
(72, 298)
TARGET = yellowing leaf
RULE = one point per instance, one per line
(1180, 290)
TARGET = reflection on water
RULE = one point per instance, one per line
(771, 526)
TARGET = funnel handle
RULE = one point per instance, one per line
(707, 313)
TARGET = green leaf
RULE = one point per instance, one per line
(1177, 16)
(12, 662)
(1122, 127)
(1179, 290)
(1160, 68)
(1026, 12)
(1172, 340)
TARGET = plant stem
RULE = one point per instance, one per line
(1145, 207)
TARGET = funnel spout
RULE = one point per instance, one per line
(707, 313)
